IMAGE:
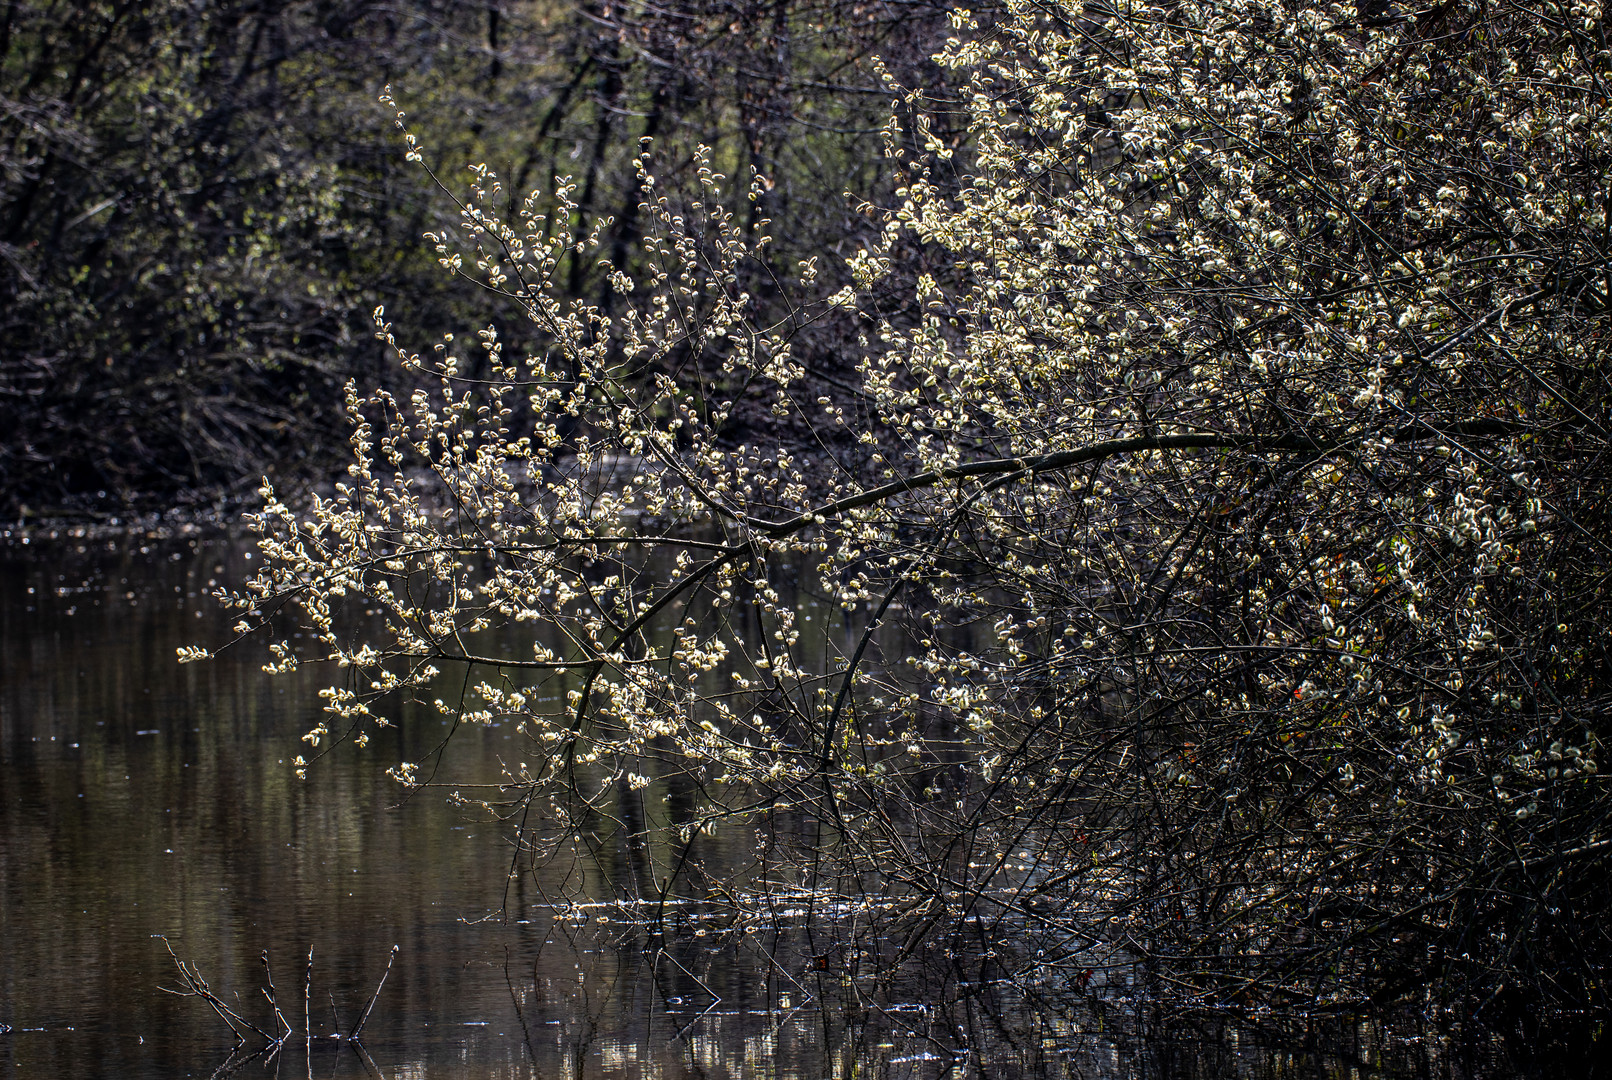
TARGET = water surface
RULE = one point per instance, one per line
(142, 800)
(144, 803)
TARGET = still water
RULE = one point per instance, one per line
(145, 805)
(141, 800)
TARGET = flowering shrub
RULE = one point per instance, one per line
(1218, 528)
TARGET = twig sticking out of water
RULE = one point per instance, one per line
(307, 1022)
(270, 993)
(364, 1019)
(196, 986)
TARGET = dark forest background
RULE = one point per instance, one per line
(201, 203)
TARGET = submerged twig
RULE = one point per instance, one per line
(716, 998)
(365, 1060)
(520, 1013)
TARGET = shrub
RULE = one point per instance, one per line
(1216, 529)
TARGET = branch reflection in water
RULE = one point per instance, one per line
(140, 802)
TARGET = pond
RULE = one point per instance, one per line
(145, 805)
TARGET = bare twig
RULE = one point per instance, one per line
(270, 993)
(197, 987)
(307, 1022)
(364, 1019)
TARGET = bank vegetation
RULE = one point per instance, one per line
(1211, 531)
